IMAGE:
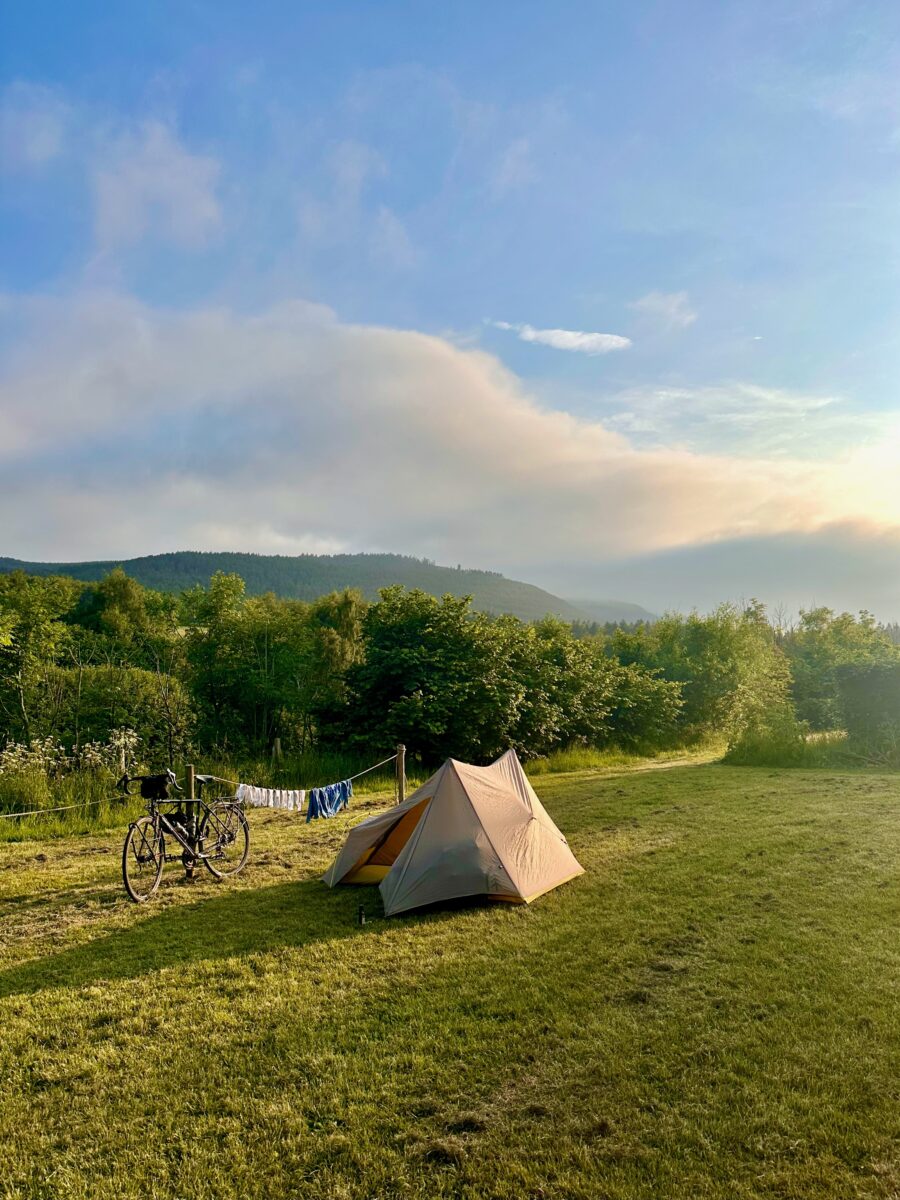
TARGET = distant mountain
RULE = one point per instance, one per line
(612, 611)
(307, 576)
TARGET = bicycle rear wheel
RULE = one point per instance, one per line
(226, 840)
(143, 857)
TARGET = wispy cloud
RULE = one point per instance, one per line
(575, 340)
(390, 242)
(341, 208)
(33, 121)
(745, 420)
(148, 183)
(514, 169)
(668, 310)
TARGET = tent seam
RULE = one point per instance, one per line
(416, 834)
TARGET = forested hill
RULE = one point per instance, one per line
(307, 576)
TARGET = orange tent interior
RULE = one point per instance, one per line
(378, 859)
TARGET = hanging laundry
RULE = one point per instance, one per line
(329, 800)
(257, 797)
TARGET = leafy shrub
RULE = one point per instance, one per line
(870, 699)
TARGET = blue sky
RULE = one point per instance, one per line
(659, 239)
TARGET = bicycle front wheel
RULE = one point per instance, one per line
(143, 856)
(226, 841)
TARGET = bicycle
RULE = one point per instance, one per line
(215, 834)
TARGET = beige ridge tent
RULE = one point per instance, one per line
(467, 831)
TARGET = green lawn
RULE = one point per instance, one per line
(713, 1009)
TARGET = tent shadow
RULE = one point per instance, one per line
(238, 923)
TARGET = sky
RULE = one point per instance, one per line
(602, 296)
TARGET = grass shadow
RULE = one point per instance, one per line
(238, 923)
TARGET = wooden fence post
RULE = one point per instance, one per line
(401, 773)
(190, 787)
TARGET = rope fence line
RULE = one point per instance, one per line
(36, 812)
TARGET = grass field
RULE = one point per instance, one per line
(712, 1010)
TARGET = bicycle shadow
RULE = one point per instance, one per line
(239, 923)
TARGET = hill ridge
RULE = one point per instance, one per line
(307, 576)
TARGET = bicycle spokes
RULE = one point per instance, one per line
(143, 856)
(227, 840)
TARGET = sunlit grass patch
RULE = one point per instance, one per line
(710, 1011)
(587, 758)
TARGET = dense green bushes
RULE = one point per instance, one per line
(213, 672)
(447, 681)
(734, 677)
(820, 649)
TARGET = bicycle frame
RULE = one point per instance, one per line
(199, 824)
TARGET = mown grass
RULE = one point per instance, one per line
(712, 1010)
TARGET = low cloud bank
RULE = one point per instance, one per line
(128, 430)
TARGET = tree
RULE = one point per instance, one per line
(728, 663)
(450, 682)
(431, 677)
(31, 612)
(819, 647)
(263, 667)
(87, 705)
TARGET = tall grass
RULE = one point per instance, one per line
(96, 804)
(829, 749)
(100, 806)
(587, 758)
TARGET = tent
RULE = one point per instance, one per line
(467, 831)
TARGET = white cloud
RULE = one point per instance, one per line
(568, 339)
(668, 310)
(148, 184)
(33, 122)
(125, 430)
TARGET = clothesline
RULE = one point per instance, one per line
(349, 779)
(326, 801)
(36, 812)
(359, 774)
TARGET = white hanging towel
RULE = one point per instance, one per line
(257, 797)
